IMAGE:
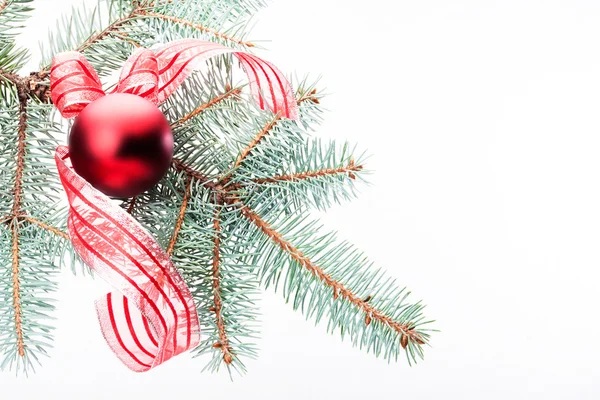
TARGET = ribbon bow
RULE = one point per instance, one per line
(151, 317)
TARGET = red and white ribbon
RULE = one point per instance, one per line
(156, 75)
(151, 316)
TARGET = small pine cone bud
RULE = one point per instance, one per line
(404, 341)
(335, 293)
(217, 345)
(212, 309)
(227, 358)
(419, 340)
(367, 319)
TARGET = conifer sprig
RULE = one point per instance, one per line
(233, 212)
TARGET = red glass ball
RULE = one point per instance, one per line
(121, 144)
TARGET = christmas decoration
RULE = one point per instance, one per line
(229, 216)
(122, 144)
(114, 140)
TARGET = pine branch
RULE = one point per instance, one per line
(111, 29)
(400, 318)
(131, 205)
(348, 170)
(338, 289)
(10, 77)
(227, 213)
(257, 139)
(17, 287)
(223, 342)
(197, 27)
(15, 212)
(182, 210)
(231, 92)
(47, 227)
(260, 136)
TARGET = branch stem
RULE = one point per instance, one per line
(300, 176)
(179, 223)
(199, 27)
(15, 212)
(223, 343)
(47, 227)
(338, 289)
(207, 105)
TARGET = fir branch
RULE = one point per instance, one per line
(110, 29)
(179, 223)
(15, 212)
(266, 130)
(203, 179)
(131, 205)
(257, 139)
(349, 170)
(47, 227)
(14, 228)
(10, 77)
(203, 107)
(223, 342)
(21, 135)
(400, 318)
(199, 27)
(338, 289)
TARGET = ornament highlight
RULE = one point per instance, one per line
(121, 144)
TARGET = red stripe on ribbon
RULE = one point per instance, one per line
(158, 318)
(155, 76)
(74, 83)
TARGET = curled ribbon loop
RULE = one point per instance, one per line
(156, 75)
(152, 317)
(73, 83)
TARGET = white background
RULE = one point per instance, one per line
(482, 119)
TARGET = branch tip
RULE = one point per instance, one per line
(199, 27)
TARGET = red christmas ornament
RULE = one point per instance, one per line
(121, 144)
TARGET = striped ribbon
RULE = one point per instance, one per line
(151, 317)
(156, 75)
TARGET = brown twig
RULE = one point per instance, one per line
(309, 96)
(3, 6)
(179, 223)
(348, 169)
(131, 205)
(47, 227)
(9, 76)
(199, 27)
(17, 287)
(263, 133)
(223, 343)
(257, 139)
(113, 27)
(205, 106)
(403, 330)
(16, 211)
